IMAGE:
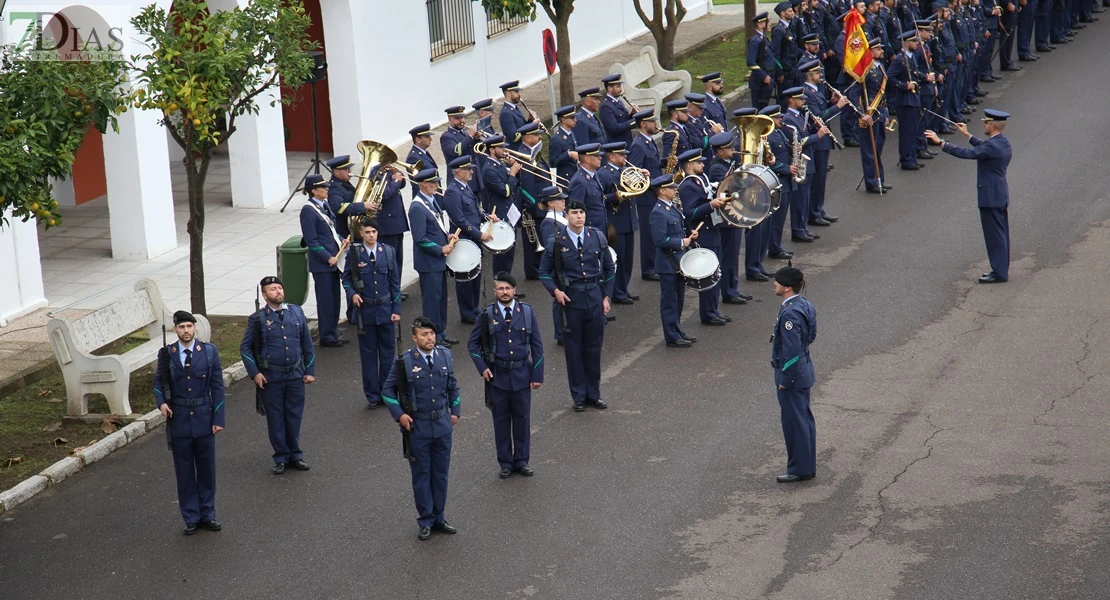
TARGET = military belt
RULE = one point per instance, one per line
(428, 415)
(377, 301)
(582, 285)
(189, 402)
(510, 364)
(288, 369)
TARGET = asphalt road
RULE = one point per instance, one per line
(961, 451)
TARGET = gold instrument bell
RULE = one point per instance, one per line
(633, 182)
(370, 191)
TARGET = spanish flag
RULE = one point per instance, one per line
(857, 54)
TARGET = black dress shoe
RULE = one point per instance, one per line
(332, 344)
(445, 343)
(851, 143)
(714, 322)
(966, 110)
(820, 222)
(831, 167)
(780, 255)
(610, 317)
(190, 529)
(278, 469)
(924, 155)
(991, 278)
(598, 404)
(404, 296)
(804, 239)
(299, 465)
(760, 277)
(373, 405)
(424, 534)
(872, 190)
(467, 321)
(625, 301)
(525, 470)
(559, 342)
(887, 188)
(679, 343)
(212, 525)
(727, 318)
(1045, 48)
(831, 219)
(650, 277)
(448, 340)
(930, 152)
(505, 473)
(734, 300)
(579, 408)
(1026, 58)
(1012, 68)
(974, 100)
(749, 297)
(910, 167)
(794, 478)
(445, 527)
(634, 297)
(813, 235)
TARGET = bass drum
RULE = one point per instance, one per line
(465, 261)
(747, 199)
(504, 237)
(613, 253)
(701, 269)
(769, 178)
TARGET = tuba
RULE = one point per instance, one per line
(370, 190)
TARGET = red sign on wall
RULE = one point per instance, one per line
(549, 51)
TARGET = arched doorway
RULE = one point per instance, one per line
(298, 115)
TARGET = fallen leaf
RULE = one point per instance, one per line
(61, 441)
(55, 426)
(73, 451)
(44, 392)
(107, 426)
(55, 400)
(15, 460)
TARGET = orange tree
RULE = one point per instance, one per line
(204, 70)
(46, 106)
(559, 12)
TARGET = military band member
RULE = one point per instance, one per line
(393, 221)
(992, 156)
(616, 118)
(532, 181)
(323, 243)
(670, 239)
(698, 127)
(579, 272)
(811, 45)
(513, 113)
(808, 135)
(622, 218)
(372, 281)
(430, 382)
(785, 48)
(675, 141)
(466, 213)
(645, 154)
(554, 221)
(587, 127)
(761, 62)
(848, 127)
(729, 286)
(929, 83)
(781, 141)
(904, 77)
(586, 187)
(818, 107)
(701, 207)
(501, 184)
(714, 88)
(421, 141)
(278, 356)
(507, 350)
(458, 140)
(873, 103)
(432, 241)
(563, 142)
(194, 413)
(341, 194)
(795, 330)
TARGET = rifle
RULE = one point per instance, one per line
(356, 281)
(167, 380)
(256, 345)
(487, 351)
(561, 280)
(403, 398)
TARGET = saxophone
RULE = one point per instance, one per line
(672, 157)
(797, 159)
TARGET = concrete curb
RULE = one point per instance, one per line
(71, 465)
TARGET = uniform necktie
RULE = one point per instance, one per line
(428, 359)
(373, 258)
(580, 244)
(508, 314)
(188, 359)
(281, 315)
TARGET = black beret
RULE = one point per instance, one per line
(267, 280)
(790, 277)
(183, 316)
(504, 277)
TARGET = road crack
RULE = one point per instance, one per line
(1079, 367)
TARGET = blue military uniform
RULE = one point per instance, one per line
(376, 272)
(714, 108)
(285, 357)
(696, 194)
(698, 130)
(516, 348)
(615, 118)
(197, 401)
(622, 218)
(466, 214)
(817, 105)
(675, 139)
(456, 142)
(533, 179)
(785, 48)
(875, 84)
(393, 221)
(416, 153)
(587, 127)
(923, 57)
(584, 273)
(341, 195)
(562, 142)
(761, 61)
(552, 223)
(512, 116)
(435, 397)
(586, 187)
(645, 154)
(668, 230)
(320, 237)
(903, 71)
(429, 236)
(795, 330)
(780, 140)
(849, 128)
(500, 193)
(992, 157)
(799, 205)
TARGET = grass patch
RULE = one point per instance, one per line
(31, 418)
(727, 55)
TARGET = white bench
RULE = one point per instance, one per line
(662, 84)
(74, 342)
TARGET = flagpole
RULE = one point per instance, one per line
(871, 133)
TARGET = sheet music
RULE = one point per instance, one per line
(513, 215)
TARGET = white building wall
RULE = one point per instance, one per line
(399, 85)
(21, 289)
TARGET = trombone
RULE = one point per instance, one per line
(527, 164)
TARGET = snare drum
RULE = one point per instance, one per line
(700, 269)
(465, 261)
(504, 237)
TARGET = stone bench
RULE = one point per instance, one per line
(74, 342)
(662, 84)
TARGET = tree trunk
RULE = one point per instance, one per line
(666, 48)
(195, 175)
(562, 58)
(750, 11)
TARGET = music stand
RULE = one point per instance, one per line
(319, 73)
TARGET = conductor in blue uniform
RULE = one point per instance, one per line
(795, 330)
(194, 412)
(992, 156)
(281, 361)
(507, 350)
(429, 372)
(668, 234)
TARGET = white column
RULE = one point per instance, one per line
(259, 176)
(62, 191)
(350, 70)
(20, 269)
(140, 200)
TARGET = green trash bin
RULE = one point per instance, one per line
(292, 268)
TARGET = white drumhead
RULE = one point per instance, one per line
(464, 257)
(504, 236)
(699, 263)
(765, 173)
(613, 253)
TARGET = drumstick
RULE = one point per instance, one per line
(452, 242)
(489, 225)
(699, 226)
(342, 247)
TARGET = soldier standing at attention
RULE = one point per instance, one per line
(795, 330)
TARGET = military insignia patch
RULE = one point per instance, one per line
(415, 369)
(269, 322)
(789, 326)
(361, 265)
